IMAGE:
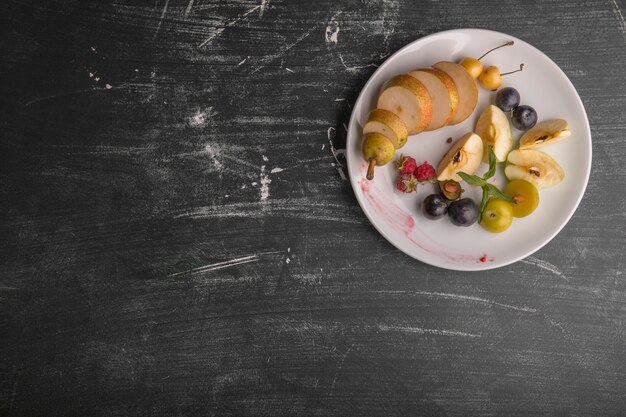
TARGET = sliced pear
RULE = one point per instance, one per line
(466, 88)
(533, 166)
(494, 129)
(408, 99)
(388, 124)
(545, 133)
(465, 155)
(439, 96)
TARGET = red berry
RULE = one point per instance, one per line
(406, 183)
(425, 172)
(406, 165)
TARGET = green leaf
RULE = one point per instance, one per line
(472, 179)
(483, 204)
(493, 190)
(492, 164)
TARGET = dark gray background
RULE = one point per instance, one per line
(144, 273)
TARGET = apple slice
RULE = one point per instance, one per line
(466, 87)
(465, 155)
(440, 96)
(388, 124)
(494, 129)
(536, 167)
(408, 99)
(545, 133)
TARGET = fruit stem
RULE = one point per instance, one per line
(521, 67)
(497, 47)
(370, 169)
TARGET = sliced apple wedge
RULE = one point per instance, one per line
(408, 99)
(465, 155)
(439, 95)
(388, 124)
(466, 88)
(533, 166)
(494, 129)
(545, 133)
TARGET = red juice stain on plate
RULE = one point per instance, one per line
(400, 220)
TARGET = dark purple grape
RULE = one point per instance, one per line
(463, 212)
(434, 207)
(507, 99)
(524, 117)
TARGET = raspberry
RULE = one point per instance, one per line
(425, 172)
(406, 165)
(406, 183)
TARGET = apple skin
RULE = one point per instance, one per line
(409, 99)
(465, 155)
(466, 87)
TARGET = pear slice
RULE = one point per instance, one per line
(533, 166)
(545, 133)
(408, 99)
(494, 129)
(388, 124)
(466, 88)
(442, 101)
(465, 155)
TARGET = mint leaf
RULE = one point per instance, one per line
(493, 190)
(472, 179)
(492, 164)
(483, 204)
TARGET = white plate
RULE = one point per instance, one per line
(397, 216)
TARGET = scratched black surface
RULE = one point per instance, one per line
(149, 267)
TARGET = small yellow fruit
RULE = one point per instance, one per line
(490, 78)
(472, 65)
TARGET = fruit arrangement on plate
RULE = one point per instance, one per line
(427, 99)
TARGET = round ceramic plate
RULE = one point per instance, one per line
(397, 216)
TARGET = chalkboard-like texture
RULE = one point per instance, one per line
(177, 237)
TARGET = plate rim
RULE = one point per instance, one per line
(480, 266)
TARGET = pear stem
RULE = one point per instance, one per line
(521, 67)
(370, 169)
(497, 47)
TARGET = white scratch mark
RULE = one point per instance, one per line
(276, 170)
(213, 154)
(340, 99)
(167, 2)
(14, 289)
(221, 265)
(420, 330)
(288, 250)
(292, 208)
(243, 186)
(69, 93)
(620, 17)
(108, 86)
(188, 9)
(462, 298)
(339, 368)
(354, 68)
(332, 30)
(229, 24)
(281, 52)
(544, 265)
(93, 48)
(287, 260)
(289, 69)
(254, 183)
(265, 184)
(323, 146)
(97, 79)
(264, 4)
(200, 117)
(345, 127)
(244, 60)
(339, 167)
(265, 158)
